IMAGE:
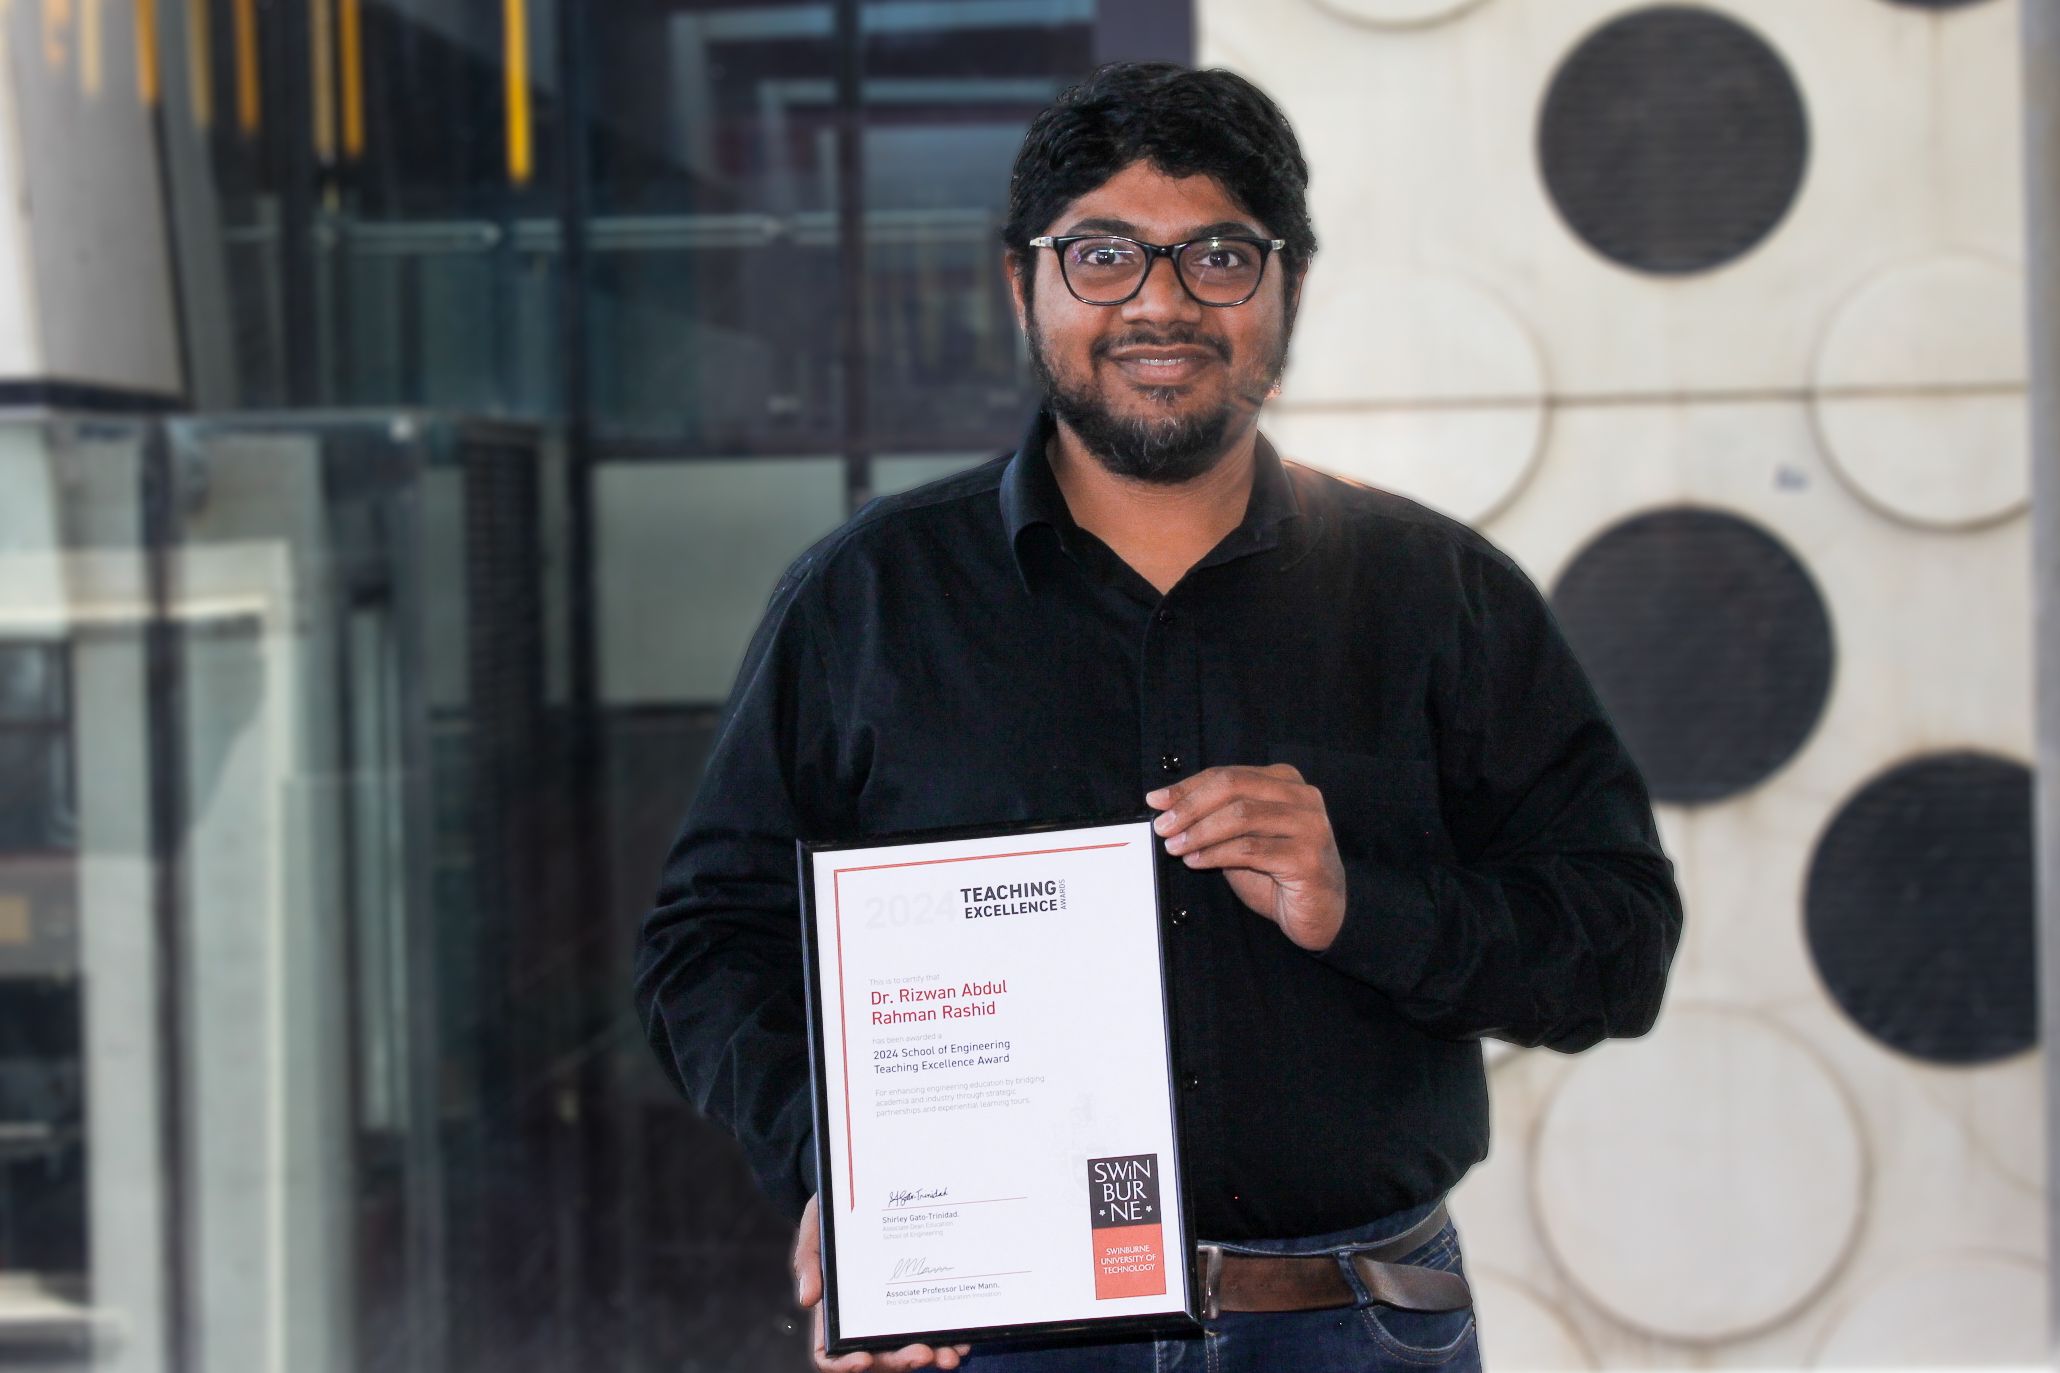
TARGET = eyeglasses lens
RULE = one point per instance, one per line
(1106, 270)
(1222, 270)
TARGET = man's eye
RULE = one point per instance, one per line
(1224, 258)
(1102, 255)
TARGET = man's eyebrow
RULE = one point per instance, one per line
(1101, 224)
(1226, 226)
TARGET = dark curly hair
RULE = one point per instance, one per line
(1183, 122)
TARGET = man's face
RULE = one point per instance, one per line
(1159, 387)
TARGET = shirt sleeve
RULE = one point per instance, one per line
(718, 979)
(1552, 916)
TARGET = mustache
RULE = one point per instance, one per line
(1152, 338)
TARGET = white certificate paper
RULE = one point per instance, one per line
(996, 1136)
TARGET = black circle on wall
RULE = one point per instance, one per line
(1707, 642)
(1919, 908)
(1673, 139)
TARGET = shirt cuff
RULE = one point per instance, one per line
(1390, 922)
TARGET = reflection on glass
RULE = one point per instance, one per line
(949, 90)
(714, 291)
(282, 1000)
(695, 549)
(36, 801)
(77, 1033)
(368, 1029)
(405, 252)
(28, 681)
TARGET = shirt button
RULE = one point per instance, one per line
(1179, 915)
(1191, 1081)
(1165, 616)
(1169, 762)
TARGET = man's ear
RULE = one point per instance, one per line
(1013, 267)
(1291, 307)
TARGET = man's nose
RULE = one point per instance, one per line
(1162, 297)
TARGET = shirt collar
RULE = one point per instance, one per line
(1030, 495)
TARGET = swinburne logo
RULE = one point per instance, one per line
(1127, 1228)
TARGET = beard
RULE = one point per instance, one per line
(1165, 448)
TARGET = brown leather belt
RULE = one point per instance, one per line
(1310, 1282)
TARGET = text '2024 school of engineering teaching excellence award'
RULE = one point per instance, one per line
(996, 1139)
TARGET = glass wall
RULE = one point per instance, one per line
(345, 719)
(82, 1153)
(288, 994)
(750, 227)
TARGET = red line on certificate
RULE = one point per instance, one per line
(844, 1021)
(844, 1042)
(984, 857)
(959, 1277)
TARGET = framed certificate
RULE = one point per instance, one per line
(996, 1136)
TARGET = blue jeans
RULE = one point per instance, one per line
(1359, 1337)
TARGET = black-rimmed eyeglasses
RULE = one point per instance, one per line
(1105, 269)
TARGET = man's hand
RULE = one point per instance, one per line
(808, 1291)
(1268, 831)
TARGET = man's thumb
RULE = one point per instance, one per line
(808, 1265)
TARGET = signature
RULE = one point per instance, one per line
(916, 1268)
(903, 1196)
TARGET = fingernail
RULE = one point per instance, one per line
(1164, 823)
(1156, 798)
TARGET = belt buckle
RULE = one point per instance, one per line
(1211, 1256)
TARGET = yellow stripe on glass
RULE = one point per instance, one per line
(515, 65)
(351, 36)
(148, 86)
(248, 117)
(322, 77)
(200, 63)
(57, 30)
(92, 44)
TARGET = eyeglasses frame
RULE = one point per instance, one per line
(1169, 251)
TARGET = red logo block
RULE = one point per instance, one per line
(1128, 1230)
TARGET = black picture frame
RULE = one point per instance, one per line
(1164, 1324)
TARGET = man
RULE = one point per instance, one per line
(1396, 819)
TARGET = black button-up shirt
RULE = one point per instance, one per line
(967, 654)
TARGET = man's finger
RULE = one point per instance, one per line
(1276, 857)
(1243, 801)
(847, 1363)
(1242, 815)
(1187, 788)
(1187, 801)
